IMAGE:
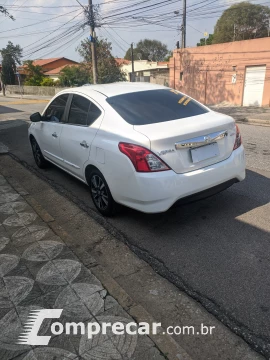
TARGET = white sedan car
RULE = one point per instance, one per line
(140, 145)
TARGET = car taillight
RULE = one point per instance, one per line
(238, 139)
(142, 159)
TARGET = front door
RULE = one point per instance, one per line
(51, 129)
(78, 133)
(50, 141)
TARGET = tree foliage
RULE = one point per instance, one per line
(34, 74)
(167, 58)
(46, 81)
(108, 69)
(209, 41)
(152, 50)
(11, 56)
(74, 75)
(246, 20)
(4, 11)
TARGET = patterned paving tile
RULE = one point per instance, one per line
(38, 271)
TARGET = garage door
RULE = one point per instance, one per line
(254, 84)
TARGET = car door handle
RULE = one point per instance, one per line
(84, 144)
(55, 135)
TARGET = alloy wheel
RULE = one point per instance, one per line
(37, 152)
(99, 192)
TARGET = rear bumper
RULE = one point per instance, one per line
(157, 192)
(206, 193)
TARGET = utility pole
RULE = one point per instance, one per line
(234, 32)
(132, 63)
(93, 42)
(184, 24)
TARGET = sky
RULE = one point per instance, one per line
(53, 28)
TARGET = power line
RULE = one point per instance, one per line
(114, 40)
(118, 35)
(22, 27)
(54, 40)
(144, 7)
(80, 4)
(68, 43)
(53, 31)
(44, 7)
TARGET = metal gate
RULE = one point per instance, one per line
(254, 85)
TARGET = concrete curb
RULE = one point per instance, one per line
(26, 97)
(164, 342)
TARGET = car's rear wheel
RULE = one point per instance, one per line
(101, 194)
(39, 158)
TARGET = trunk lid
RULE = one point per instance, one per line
(174, 141)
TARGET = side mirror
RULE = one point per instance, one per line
(36, 117)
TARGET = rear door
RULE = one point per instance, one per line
(51, 128)
(83, 121)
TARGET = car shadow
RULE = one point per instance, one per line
(217, 248)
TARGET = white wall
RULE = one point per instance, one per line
(141, 65)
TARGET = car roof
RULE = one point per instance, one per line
(119, 88)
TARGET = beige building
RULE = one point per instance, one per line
(143, 69)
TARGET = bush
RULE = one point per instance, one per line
(47, 82)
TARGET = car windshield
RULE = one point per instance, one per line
(155, 106)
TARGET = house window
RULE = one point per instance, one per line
(181, 75)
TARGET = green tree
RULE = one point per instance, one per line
(167, 58)
(34, 74)
(108, 69)
(11, 56)
(147, 49)
(242, 21)
(209, 41)
(4, 11)
(74, 75)
(47, 82)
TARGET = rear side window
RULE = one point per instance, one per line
(155, 106)
(55, 111)
(94, 113)
(82, 111)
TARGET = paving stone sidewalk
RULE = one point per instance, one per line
(38, 271)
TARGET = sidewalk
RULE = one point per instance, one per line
(38, 270)
(245, 114)
(70, 259)
(11, 97)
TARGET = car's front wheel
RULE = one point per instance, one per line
(39, 158)
(101, 194)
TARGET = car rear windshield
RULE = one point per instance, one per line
(155, 106)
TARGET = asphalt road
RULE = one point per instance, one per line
(217, 250)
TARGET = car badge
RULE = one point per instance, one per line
(164, 152)
(207, 138)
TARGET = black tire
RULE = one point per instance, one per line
(39, 158)
(100, 193)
